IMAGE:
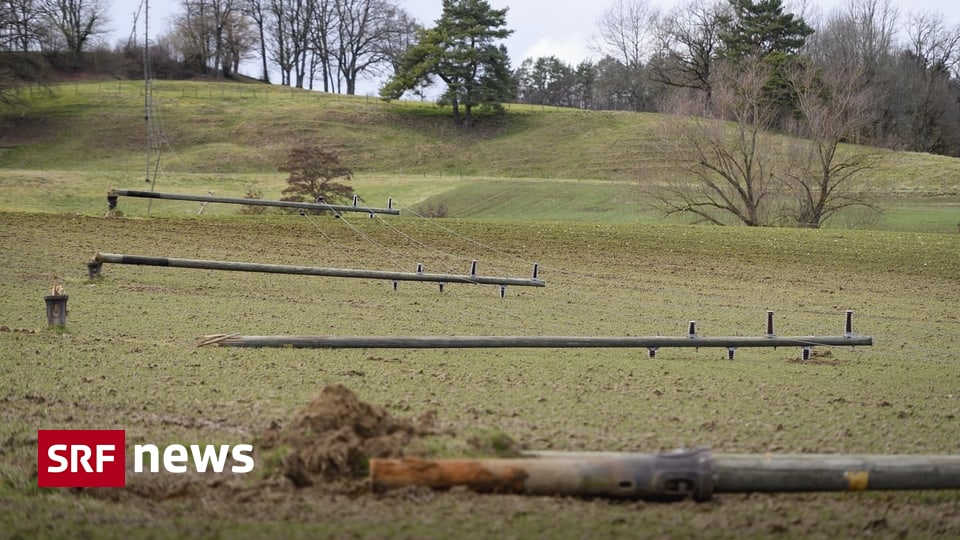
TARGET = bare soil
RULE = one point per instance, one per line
(319, 481)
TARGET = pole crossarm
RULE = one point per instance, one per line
(313, 271)
(466, 342)
(114, 193)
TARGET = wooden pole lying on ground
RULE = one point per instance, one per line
(114, 193)
(467, 342)
(695, 474)
(313, 271)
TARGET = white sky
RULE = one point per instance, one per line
(562, 28)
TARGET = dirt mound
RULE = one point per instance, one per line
(333, 438)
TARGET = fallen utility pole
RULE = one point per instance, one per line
(651, 343)
(114, 258)
(474, 342)
(696, 474)
(113, 194)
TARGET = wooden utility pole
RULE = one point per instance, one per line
(696, 474)
(484, 342)
(313, 271)
(113, 194)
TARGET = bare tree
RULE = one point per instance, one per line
(77, 21)
(226, 20)
(860, 34)
(239, 40)
(363, 27)
(290, 32)
(935, 47)
(323, 41)
(257, 11)
(833, 106)
(401, 36)
(728, 149)
(688, 39)
(929, 106)
(625, 39)
(20, 25)
(626, 32)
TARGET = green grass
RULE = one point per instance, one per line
(128, 360)
(554, 187)
(531, 164)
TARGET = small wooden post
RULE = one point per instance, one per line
(770, 324)
(56, 310)
(93, 270)
(692, 333)
(848, 326)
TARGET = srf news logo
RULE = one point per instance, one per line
(97, 458)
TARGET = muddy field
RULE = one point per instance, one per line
(128, 360)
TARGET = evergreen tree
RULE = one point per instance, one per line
(759, 29)
(762, 31)
(461, 51)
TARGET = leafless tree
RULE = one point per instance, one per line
(76, 21)
(227, 21)
(728, 149)
(935, 47)
(290, 33)
(626, 32)
(861, 34)
(928, 100)
(625, 39)
(833, 105)
(213, 36)
(363, 27)
(257, 11)
(687, 42)
(400, 37)
(323, 43)
(20, 24)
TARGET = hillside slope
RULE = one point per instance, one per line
(82, 138)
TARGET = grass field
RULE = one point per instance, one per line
(534, 163)
(128, 358)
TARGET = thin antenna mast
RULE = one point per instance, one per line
(147, 95)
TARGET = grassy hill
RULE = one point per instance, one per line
(70, 145)
(531, 187)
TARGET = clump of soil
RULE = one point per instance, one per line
(333, 438)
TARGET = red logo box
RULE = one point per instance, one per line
(81, 458)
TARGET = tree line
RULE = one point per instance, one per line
(646, 55)
(325, 45)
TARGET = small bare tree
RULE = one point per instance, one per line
(312, 171)
(833, 106)
(727, 148)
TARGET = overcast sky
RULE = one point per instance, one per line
(561, 28)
